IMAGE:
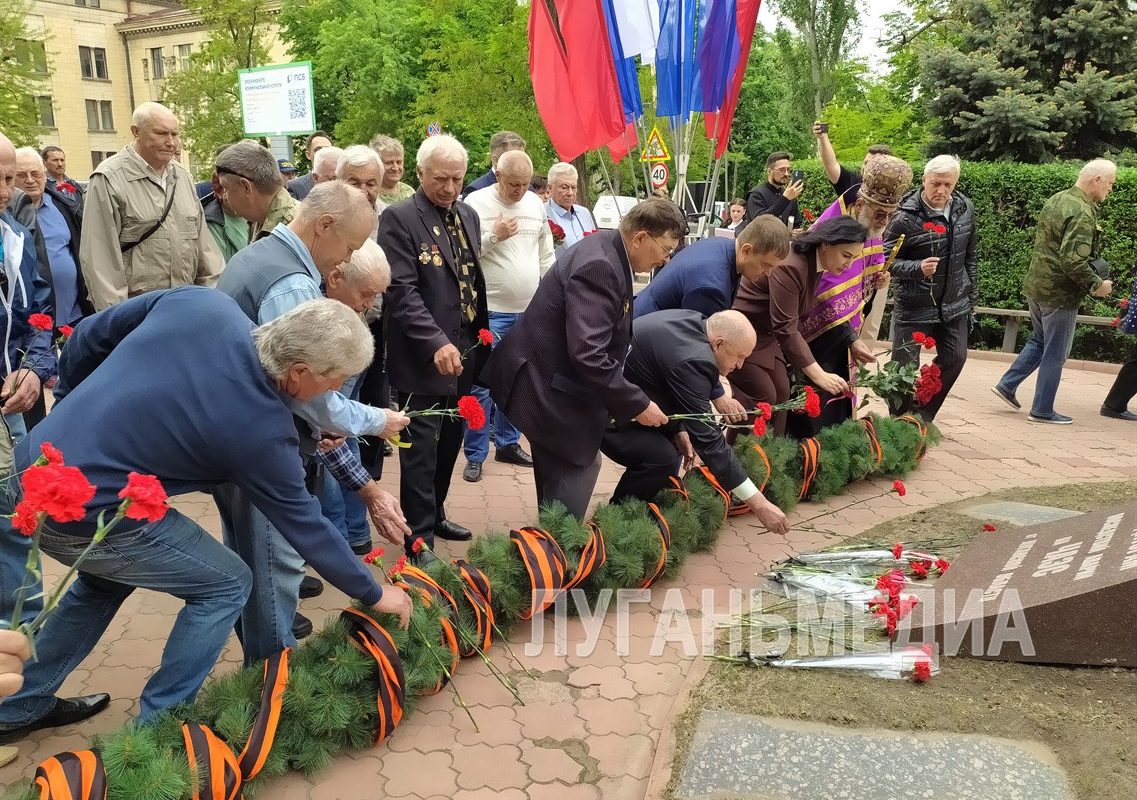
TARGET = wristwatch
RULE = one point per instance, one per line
(494, 239)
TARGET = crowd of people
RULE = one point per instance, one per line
(262, 337)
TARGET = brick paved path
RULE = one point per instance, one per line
(591, 723)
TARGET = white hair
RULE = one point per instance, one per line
(145, 114)
(942, 165)
(324, 334)
(1098, 168)
(368, 261)
(731, 325)
(444, 146)
(326, 156)
(358, 155)
(337, 200)
(561, 168)
(515, 162)
(383, 144)
(30, 152)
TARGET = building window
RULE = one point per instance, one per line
(46, 112)
(106, 115)
(157, 68)
(32, 53)
(93, 62)
(87, 3)
(184, 52)
(99, 156)
(99, 115)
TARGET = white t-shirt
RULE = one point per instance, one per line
(513, 267)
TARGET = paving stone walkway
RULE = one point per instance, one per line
(592, 720)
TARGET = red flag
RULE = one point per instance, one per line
(575, 85)
(718, 125)
(622, 144)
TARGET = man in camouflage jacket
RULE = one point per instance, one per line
(1060, 276)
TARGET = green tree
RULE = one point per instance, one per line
(828, 30)
(1032, 81)
(23, 72)
(205, 96)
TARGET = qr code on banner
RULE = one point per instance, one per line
(297, 103)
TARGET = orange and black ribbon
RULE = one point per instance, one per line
(766, 461)
(476, 590)
(371, 637)
(664, 545)
(727, 500)
(922, 429)
(72, 776)
(592, 557)
(431, 592)
(212, 762)
(257, 748)
(810, 457)
(874, 442)
(546, 564)
(678, 488)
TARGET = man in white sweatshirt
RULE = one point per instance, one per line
(517, 249)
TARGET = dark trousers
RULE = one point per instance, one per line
(832, 355)
(752, 383)
(649, 456)
(426, 466)
(1124, 387)
(558, 479)
(951, 353)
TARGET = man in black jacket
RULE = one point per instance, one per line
(433, 311)
(778, 195)
(677, 358)
(935, 274)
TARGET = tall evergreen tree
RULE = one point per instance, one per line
(1035, 80)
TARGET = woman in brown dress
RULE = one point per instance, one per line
(775, 303)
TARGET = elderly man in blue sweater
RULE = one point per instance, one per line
(135, 395)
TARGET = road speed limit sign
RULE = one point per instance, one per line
(659, 175)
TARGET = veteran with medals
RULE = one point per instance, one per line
(433, 311)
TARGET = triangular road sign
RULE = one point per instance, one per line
(655, 149)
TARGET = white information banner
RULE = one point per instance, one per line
(277, 100)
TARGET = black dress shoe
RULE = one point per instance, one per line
(452, 532)
(472, 472)
(1125, 414)
(360, 550)
(301, 626)
(513, 455)
(423, 558)
(311, 587)
(66, 712)
(388, 450)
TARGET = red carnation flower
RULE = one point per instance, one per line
(920, 568)
(589, 233)
(58, 491)
(558, 232)
(812, 402)
(485, 336)
(929, 343)
(41, 322)
(66, 186)
(905, 606)
(1123, 304)
(897, 550)
(373, 556)
(397, 570)
(51, 453)
(65, 331)
(942, 565)
(805, 212)
(899, 487)
(471, 410)
(25, 520)
(759, 426)
(919, 337)
(922, 671)
(930, 226)
(987, 526)
(1115, 322)
(765, 410)
(147, 497)
(417, 545)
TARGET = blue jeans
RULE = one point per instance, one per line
(1051, 336)
(174, 555)
(266, 620)
(343, 508)
(14, 546)
(477, 443)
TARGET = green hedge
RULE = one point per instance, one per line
(1007, 199)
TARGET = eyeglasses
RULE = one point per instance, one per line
(23, 176)
(224, 171)
(667, 251)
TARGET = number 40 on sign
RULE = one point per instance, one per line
(659, 175)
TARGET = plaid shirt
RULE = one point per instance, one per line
(345, 467)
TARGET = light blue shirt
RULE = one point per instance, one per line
(330, 411)
(575, 223)
(64, 271)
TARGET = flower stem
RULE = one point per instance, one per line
(29, 578)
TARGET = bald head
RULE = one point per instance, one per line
(732, 338)
(157, 136)
(7, 171)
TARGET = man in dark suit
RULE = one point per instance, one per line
(558, 374)
(677, 358)
(434, 309)
(500, 142)
(778, 195)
